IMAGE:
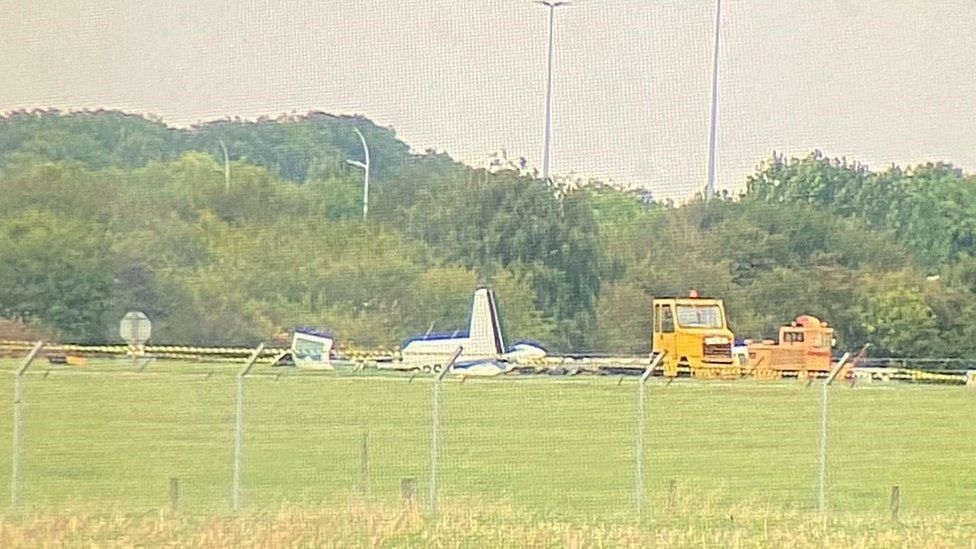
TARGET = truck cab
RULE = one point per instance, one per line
(694, 334)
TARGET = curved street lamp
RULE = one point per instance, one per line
(365, 167)
(223, 147)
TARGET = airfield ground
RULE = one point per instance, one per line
(107, 440)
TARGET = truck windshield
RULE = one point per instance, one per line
(700, 316)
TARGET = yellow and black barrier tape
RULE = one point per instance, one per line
(155, 350)
(360, 354)
(180, 351)
(367, 354)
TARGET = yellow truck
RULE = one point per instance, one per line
(694, 335)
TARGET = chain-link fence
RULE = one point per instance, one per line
(113, 435)
(107, 438)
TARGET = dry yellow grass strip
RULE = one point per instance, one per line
(359, 524)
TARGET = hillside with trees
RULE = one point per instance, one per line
(105, 212)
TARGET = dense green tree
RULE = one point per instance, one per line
(97, 139)
(55, 271)
(104, 212)
(896, 317)
(490, 221)
(623, 320)
(439, 300)
(302, 147)
(519, 317)
(930, 208)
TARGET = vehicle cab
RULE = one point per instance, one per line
(694, 333)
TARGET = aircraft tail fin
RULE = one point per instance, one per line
(484, 331)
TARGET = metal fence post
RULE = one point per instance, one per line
(822, 480)
(237, 493)
(639, 453)
(435, 434)
(16, 480)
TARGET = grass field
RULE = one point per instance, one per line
(359, 525)
(105, 440)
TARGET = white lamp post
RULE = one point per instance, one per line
(223, 147)
(710, 186)
(365, 167)
(548, 135)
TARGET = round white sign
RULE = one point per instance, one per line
(135, 328)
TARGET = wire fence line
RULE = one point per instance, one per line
(202, 438)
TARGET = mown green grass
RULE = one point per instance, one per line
(553, 448)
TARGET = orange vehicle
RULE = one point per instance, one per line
(803, 349)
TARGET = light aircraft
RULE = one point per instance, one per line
(483, 350)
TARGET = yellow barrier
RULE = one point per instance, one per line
(186, 352)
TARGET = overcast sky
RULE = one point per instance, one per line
(881, 81)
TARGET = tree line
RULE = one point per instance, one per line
(106, 212)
